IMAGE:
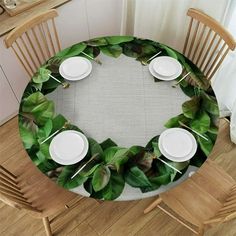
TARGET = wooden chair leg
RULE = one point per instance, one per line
(47, 226)
(152, 205)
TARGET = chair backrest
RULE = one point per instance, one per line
(207, 42)
(227, 211)
(35, 41)
(11, 193)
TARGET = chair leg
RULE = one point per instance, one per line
(152, 205)
(47, 226)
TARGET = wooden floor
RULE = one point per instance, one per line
(91, 218)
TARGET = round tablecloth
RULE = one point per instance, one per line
(120, 107)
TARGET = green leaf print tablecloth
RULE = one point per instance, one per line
(122, 110)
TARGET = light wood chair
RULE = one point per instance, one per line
(207, 42)
(33, 192)
(35, 41)
(205, 199)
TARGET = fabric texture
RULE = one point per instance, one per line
(120, 100)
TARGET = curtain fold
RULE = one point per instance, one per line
(224, 83)
(165, 20)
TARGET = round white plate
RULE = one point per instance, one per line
(68, 147)
(165, 68)
(177, 144)
(75, 68)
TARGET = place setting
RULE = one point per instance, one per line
(177, 144)
(166, 68)
(75, 68)
(68, 147)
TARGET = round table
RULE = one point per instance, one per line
(120, 107)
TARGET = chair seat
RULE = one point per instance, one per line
(44, 193)
(191, 202)
(201, 196)
(214, 180)
(223, 143)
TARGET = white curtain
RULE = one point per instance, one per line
(165, 20)
(224, 82)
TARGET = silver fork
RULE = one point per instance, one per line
(175, 85)
(144, 63)
(194, 131)
(64, 84)
(166, 163)
(56, 132)
(94, 59)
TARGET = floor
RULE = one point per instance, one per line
(92, 218)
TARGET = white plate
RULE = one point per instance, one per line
(68, 147)
(177, 144)
(165, 68)
(75, 68)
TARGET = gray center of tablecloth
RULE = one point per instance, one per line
(119, 100)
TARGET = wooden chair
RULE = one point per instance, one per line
(33, 192)
(207, 42)
(35, 41)
(205, 199)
